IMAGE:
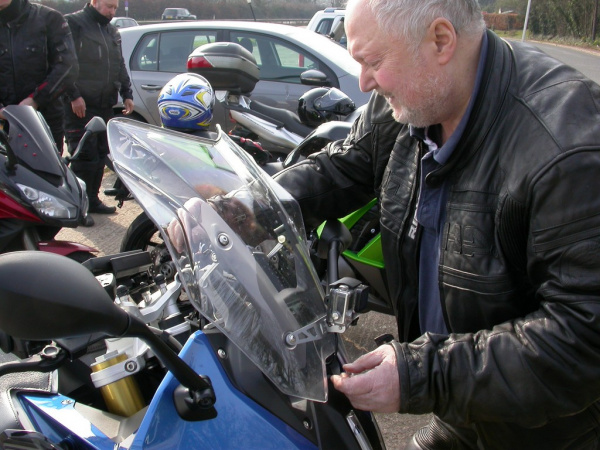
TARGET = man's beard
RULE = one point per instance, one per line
(431, 91)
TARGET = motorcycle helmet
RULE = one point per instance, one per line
(320, 105)
(186, 102)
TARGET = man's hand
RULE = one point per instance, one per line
(78, 107)
(29, 101)
(128, 106)
(371, 383)
(190, 216)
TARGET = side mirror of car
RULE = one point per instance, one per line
(313, 77)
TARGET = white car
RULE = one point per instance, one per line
(156, 53)
(329, 22)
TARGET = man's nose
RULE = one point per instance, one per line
(366, 82)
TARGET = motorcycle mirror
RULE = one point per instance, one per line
(45, 296)
(95, 125)
(313, 77)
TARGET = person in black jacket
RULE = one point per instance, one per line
(484, 156)
(102, 76)
(36, 60)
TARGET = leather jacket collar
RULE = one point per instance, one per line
(95, 15)
(14, 11)
(489, 100)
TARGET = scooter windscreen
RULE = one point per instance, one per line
(240, 254)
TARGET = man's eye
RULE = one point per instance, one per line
(373, 64)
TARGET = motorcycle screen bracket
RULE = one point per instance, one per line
(347, 298)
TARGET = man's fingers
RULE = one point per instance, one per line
(366, 362)
(175, 232)
(353, 386)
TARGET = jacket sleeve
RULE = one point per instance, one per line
(339, 179)
(542, 366)
(71, 89)
(62, 61)
(125, 91)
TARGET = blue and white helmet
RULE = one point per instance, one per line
(186, 102)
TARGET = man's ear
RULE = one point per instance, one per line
(442, 35)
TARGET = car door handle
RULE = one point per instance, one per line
(151, 87)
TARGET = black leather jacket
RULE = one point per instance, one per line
(519, 272)
(36, 54)
(102, 71)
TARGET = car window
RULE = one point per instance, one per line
(168, 52)
(277, 60)
(324, 26)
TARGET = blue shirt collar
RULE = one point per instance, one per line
(442, 154)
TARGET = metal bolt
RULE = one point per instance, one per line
(223, 239)
(335, 316)
(130, 366)
(222, 353)
(281, 239)
(50, 352)
(290, 339)
(307, 424)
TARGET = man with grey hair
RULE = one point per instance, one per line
(484, 156)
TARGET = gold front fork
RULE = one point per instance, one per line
(123, 396)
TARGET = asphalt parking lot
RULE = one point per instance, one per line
(106, 236)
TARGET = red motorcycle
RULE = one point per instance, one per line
(39, 194)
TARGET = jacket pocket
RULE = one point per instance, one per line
(90, 51)
(475, 302)
(35, 53)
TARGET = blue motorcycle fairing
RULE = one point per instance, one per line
(240, 422)
(56, 418)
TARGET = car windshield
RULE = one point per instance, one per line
(328, 48)
(238, 244)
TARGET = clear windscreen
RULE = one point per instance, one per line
(239, 251)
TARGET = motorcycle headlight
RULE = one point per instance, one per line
(48, 205)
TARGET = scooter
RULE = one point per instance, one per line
(233, 73)
(261, 335)
(39, 194)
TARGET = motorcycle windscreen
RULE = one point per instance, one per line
(31, 141)
(243, 260)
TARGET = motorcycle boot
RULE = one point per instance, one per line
(438, 436)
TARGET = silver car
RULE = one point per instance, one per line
(156, 53)
(124, 22)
